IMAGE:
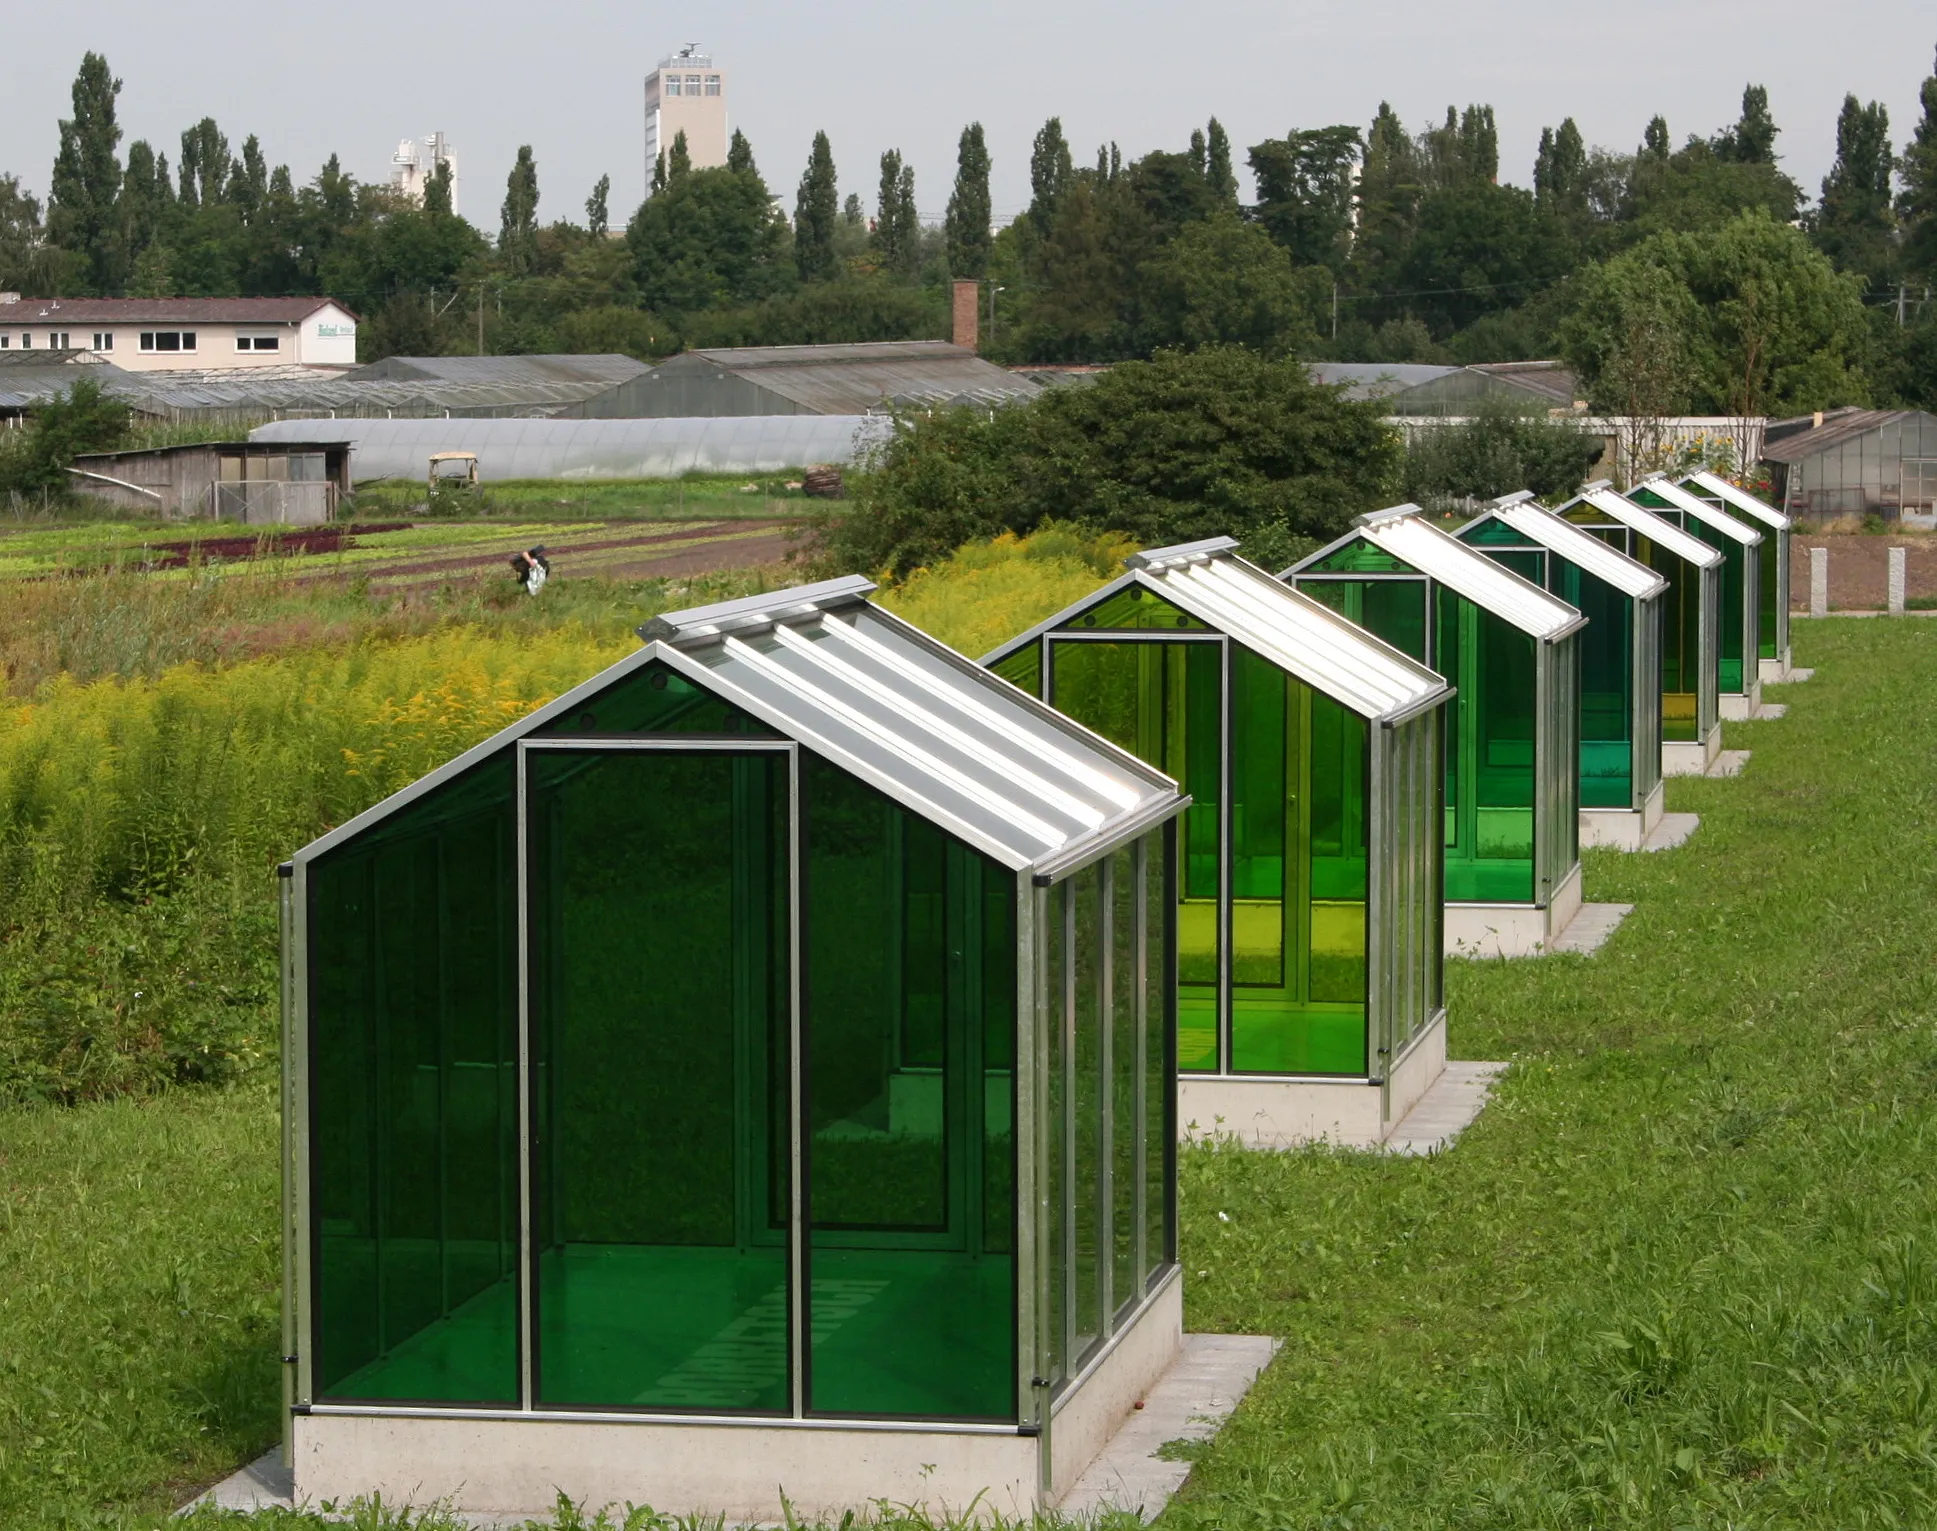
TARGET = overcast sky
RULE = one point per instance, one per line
(566, 76)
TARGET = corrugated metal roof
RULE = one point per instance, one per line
(1836, 428)
(1741, 499)
(1301, 636)
(1375, 380)
(606, 367)
(854, 379)
(1701, 510)
(1403, 532)
(1666, 534)
(879, 698)
(1584, 550)
(590, 449)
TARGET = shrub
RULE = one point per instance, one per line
(986, 592)
(83, 419)
(1500, 449)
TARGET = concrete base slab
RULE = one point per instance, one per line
(1623, 829)
(1780, 672)
(1512, 930)
(265, 1484)
(1691, 757)
(1190, 1402)
(1588, 931)
(1740, 706)
(1730, 763)
(1768, 712)
(1447, 1109)
(1674, 829)
(1797, 677)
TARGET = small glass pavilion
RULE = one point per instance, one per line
(1738, 676)
(1772, 606)
(1308, 913)
(1620, 698)
(1691, 728)
(1512, 820)
(751, 1074)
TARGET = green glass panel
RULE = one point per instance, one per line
(1681, 640)
(1023, 668)
(658, 915)
(1490, 792)
(1162, 702)
(1491, 532)
(1775, 548)
(1391, 609)
(1607, 687)
(655, 699)
(1358, 557)
(1055, 1169)
(1159, 1134)
(1295, 1006)
(1088, 1096)
(910, 963)
(1125, 1289)
(413, 1101)
(1137, 608)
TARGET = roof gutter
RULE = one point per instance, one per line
(119, 483)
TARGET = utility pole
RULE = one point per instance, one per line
(1334, 310)
(1900, 300)
(480, 318)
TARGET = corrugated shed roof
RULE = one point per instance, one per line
(1740, 499)
(854, 379)
(885, 702)
(1301, 636)
(1585, 551)
(1690, 550)
(1553, 379)
(592, 449)
(605, 368)
(1838, 428)
(164, 310)
(1375, 380)
(1403, 532)
(1702, 511)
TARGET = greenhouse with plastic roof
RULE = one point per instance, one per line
(1621, 789)
(1738, 675)
(1309, 946)
(1691, 727)
(1512, 797)
(753, 1067)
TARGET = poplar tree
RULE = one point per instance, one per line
(1752, 141)
(1917, 205)
(816, 207)
(680, 161)
(1855, 220)
(658, 174)
(86, 184)
(598, 217)
(739, 153)
(1049, 175)
(889, 222)
(1560, 171)
(1223, 178)
(518, 220)
(970, 238)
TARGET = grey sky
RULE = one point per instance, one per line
(566, 75)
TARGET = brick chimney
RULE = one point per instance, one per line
(968, 312)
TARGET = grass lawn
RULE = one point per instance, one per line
(1682, 1273)
(697, 497)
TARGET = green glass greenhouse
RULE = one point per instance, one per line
(1308, 916)
(1512, 822)
(1738, 675)
(1620, 696)
(1691, 728)
(1772, 605)
(774, 1032)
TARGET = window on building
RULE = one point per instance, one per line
(1919, 484)
(5, 341)
(59, 340)
(104, 340)
(712, 85)
(258, 342)
(168, 340)
(692, 85)
(672, 84)
(26, 340)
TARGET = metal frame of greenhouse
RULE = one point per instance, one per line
(1621, 789)
(744, 1086)
(1310, 997)
(1774, 658)
(1512, 650)
(1738, 675)
(1691, 720)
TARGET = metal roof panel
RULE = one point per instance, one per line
(1403, 532)
(1582, 549)
(1742, 500)
(1701, 510)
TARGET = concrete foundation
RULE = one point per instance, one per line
(1284, 1113)
(1781, 671)
(1512, 930)
(1740, 706)
(504, 1467)
(1681, 757)
(1623, 829)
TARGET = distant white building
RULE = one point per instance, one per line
(686, 94)
(414, 164)
(184, 334)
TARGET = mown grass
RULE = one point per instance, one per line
(1683, 1272)
(693, 497)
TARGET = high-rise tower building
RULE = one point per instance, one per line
(686, 94)
(412, 165)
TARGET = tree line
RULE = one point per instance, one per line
(1693, 278)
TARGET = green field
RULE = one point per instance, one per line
(1682, 1273)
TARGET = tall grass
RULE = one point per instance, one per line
(986, 592)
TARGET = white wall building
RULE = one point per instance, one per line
(415, 163)
(175, 334)
(686, 94)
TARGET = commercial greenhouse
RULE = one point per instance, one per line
(748, 1075)
(1738, 675)
(1308, 917)
(1772, 605)
(1511, 817)
(1691, 728)
(1620, 697)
